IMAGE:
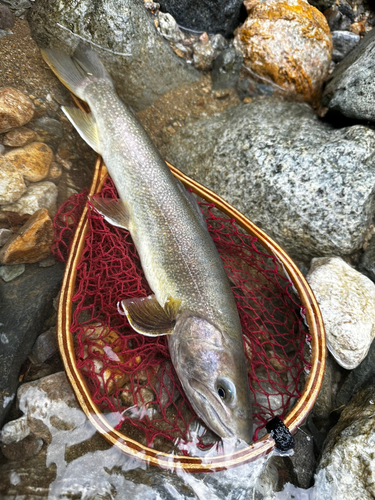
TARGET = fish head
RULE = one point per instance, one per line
(212, 371)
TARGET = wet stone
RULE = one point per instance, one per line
(347, 302)
(12, 185)
(6, 18)
(169, 28)
(16, 109)
(343, 43)
(32, 243)
(275, 29)
(5, 234)
(9, 273)
(32, 161)
(19, 137)
(45, 347)
(38, 195)
(226, 69)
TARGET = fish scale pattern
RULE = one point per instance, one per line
(131, 377)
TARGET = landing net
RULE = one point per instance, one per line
(131, 377)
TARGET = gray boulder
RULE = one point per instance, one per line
(122, 32)
(350, 89)
(309, 186)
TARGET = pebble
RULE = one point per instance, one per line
(16, 109)
(45, 347)
(19, 137)
(203, 55)
(5, 234)
(38, 195)
(12, 185)
(15, 431)
(275, 29)
(9, 273)
(226, 69)
(6, 18)
(32, 161)
(347, 302)
(343, 43)
(169, 28)
(32, 243)
(55, 172)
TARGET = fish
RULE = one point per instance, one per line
(192, 300)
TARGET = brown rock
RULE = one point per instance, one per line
(21, 450)
(16, 109)
(38, 195)
(32, 161)
(286, 43)
(6, 18)
(19, 137)
(32, 243)
(12, 185)
(55, 171)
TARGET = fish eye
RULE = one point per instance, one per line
(226, 390)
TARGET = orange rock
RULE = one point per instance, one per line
(286, 44)
(32, 243)
(16, 109)
(32, 161)
(19, 137)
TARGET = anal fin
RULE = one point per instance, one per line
(114, 211)
(146, 316)
(85, 125)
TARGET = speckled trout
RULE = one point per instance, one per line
(192, 301)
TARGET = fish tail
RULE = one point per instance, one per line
(76, 71)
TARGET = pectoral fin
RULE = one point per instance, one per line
(114, 211)
(147, 316)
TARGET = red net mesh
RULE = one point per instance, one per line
(130, 376)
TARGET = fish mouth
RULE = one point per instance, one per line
(212, 412)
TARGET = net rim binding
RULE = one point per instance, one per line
(148, 455)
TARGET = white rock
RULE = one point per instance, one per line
(15, 431)
(38, 195)
(12, 185)
(347, 301)
(169, 28)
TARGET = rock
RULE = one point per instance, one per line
(367, 262)
(347, 465)
(19, 137)
(32, 243)
(6, 18)
(325, 402)
(22, 450)
(5, 234)
(169, 28)
(338, 19)
(16, 109)
(343, 43)
(226, 69)
(25, 304)
(309, 186)
(55, 172)
(212, 16)
(322, 4)
(48, 129)
(275, 29)
(45, 347)
(361, 376)
(39, 195)
(32, 161)
(12, 185)
(125, 38)
(351, 87)
(4, 33)
(347, 301)
(2, 149)
(203, 55)
(17, 4)
(9, 273)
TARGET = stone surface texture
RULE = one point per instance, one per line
(16, 109)
(309, 186)
(6, 18)
(9, 273)
(32, 161)
(45, 346)
(347, 466)
(350, 89)
(12, 185)
(32, 243)
(38, 195)
(347, 301)
(5, 234)
(343, 43)
(212, 16)
(33, 294)
(19, 137)
(125, 38)
(226, 69)
(277, 51)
